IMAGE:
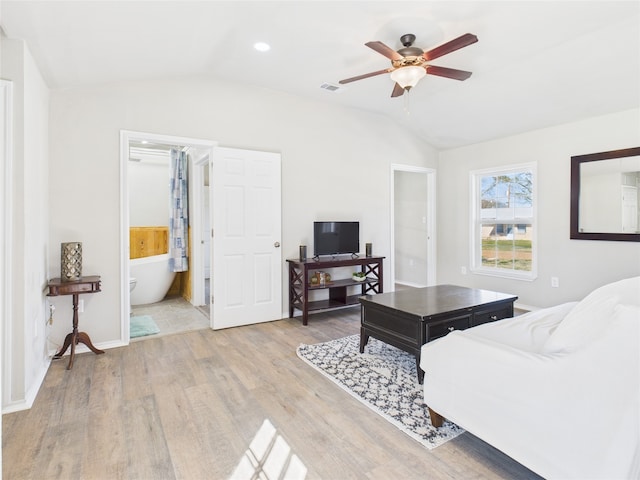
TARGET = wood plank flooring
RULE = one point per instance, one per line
(235, 403)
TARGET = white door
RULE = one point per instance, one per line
(247, 263)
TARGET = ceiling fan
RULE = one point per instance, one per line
(410, 64)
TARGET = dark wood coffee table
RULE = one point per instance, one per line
(408, 319)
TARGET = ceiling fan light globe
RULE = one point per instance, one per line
(408, 76)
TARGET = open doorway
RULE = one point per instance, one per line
(152, 149)
(412, 227)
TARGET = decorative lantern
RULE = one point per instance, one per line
(71, 261)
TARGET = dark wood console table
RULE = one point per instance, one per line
(408, 319)
(300, 283)
(57, 287)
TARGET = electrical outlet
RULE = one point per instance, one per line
(80, 306)
(463, 270)
(555, 282)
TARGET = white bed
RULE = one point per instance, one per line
(557, 389)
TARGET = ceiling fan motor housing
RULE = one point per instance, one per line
(409, 51)
(407, 39)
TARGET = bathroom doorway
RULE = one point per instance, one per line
(143, 156)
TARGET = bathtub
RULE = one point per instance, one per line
(153, 278)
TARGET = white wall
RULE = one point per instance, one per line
(335, 165)
(148, 194)
(26, 358)
(580, 265)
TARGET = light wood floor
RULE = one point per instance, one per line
(199, 405)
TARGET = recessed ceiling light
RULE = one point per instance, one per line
(262, 46)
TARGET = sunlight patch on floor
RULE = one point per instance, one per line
(269, 457)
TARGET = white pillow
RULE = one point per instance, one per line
(628, 291)
(583, 324)
(586, 321)
(626, 314)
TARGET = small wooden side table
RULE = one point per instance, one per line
(57, 286)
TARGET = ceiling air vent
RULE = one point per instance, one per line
(330, 87)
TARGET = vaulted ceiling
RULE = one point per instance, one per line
(536, 64)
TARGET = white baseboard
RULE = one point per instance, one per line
(409, 284)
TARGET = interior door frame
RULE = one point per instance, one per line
(6, 234)
(196, 177)
(430, 184)
(127, 136)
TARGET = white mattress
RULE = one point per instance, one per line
(561, 414)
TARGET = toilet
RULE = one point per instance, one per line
(132, 285)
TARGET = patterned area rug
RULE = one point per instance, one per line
(383, 378)
(142, 326)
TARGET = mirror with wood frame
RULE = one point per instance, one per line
(605, 196)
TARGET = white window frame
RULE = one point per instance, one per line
(476, 223)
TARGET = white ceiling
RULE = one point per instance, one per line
(536, 64)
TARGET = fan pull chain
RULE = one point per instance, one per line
(406, 101)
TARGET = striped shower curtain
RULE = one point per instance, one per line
(179, 214)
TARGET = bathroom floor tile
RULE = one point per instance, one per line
(172, 315)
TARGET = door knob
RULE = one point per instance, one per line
(276, 244)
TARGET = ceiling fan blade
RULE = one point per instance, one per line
(366, 75)
(452, 46)
(397, 91)
(448, 72)
(382, 49)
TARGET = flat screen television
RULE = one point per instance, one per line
(334, 238)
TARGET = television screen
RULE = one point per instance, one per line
(332, 238)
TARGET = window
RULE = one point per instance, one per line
(503, 215)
